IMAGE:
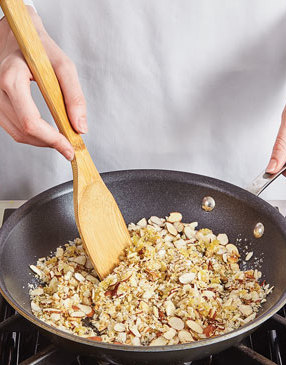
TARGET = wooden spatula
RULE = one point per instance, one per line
(99, 220)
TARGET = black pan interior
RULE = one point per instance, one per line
(44, 223)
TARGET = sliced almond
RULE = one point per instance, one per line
(136, 341)
(160, 341)
(250, 318)
(194, 326)
(185, 336)
(170, 333)
(37, 291)
(68, 275)
(223, 239)
(245, 309)
(59, 252)
(179, 226)
(232, 249)
(187, 277)
(142, 223)
(135, 331)
(175, 217)
(162, 252)
(193, 225)
(88, 264)
(121, 337)
(92, 279)
(119, 327)
(112, 280)
(79, 277)
(81, 260)
(52, 310)
(248, 256)
(176, 323)
(36, 271)
(148, 293)
(171, 229)
(55, 317)
(208, 293)
(170, 308)
(126, 276)
(190, 233)
(144, 306)
(156, 220)
(156, 312)
(84, 308)
(77, 314)
(180, 244)
(35, 307)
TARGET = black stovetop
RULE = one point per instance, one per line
(21, 343)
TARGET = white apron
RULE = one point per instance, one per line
(197, 86)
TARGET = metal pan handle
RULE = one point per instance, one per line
(262, 181)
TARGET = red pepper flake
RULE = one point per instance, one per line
(75, 308)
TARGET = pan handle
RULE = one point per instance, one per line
(262, 181)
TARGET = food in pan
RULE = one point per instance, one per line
(175, 284)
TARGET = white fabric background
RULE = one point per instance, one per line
(175, 84)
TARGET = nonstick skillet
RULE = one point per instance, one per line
(47, 221)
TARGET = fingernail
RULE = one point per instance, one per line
(82, 125)
(271, 166)
(69, 155)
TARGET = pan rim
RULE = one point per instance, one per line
(187, 177)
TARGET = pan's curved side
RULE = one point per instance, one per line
(161, 356)
(46, 221)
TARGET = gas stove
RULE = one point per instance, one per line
(21, 343)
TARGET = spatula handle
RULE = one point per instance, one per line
(36, 57)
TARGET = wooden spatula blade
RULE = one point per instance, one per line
(102, 228)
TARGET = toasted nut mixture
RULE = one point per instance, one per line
(174, 284)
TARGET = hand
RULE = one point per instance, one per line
(19, 115)
(278, 157)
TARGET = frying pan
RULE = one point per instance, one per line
(47, 221)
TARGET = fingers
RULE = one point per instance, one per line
(278, 156)
(68, 78)
(32, 125)
(73, 95)
(16, 133)
(29, 127)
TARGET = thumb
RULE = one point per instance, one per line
(278, 156)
